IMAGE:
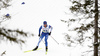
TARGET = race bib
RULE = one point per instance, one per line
(45, 30)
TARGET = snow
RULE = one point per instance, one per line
(53, 49)
(29, 17)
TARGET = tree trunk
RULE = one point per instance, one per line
(96, 30)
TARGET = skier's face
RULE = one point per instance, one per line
(45, 25)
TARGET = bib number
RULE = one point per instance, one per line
(45, 31)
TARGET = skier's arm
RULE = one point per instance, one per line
(40, 29)
(50, 28)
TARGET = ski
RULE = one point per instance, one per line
(46, 53)
(32, 50)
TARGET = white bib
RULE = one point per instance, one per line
(45, 30)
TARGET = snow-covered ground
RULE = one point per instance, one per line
(54, 49)
(29, 17)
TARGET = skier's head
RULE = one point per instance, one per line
(45, 23)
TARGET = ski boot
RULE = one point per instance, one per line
(35, 48)
(46, 50)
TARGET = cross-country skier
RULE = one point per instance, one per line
(46, 31)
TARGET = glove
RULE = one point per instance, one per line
(39, 35)
(50, 33)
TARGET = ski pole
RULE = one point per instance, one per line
(55, 40)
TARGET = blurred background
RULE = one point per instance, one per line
(76, 27)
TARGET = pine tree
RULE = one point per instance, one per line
(10, 34)
(87, 20)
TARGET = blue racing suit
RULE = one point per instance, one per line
(45, 33)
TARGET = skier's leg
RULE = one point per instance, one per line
(46, 42)
(40, 39)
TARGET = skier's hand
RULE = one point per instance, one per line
(50, 33)
(39, 35)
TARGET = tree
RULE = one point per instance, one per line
(96, 44)
(86, 12)
(9, 34)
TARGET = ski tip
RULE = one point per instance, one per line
(46, 53)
